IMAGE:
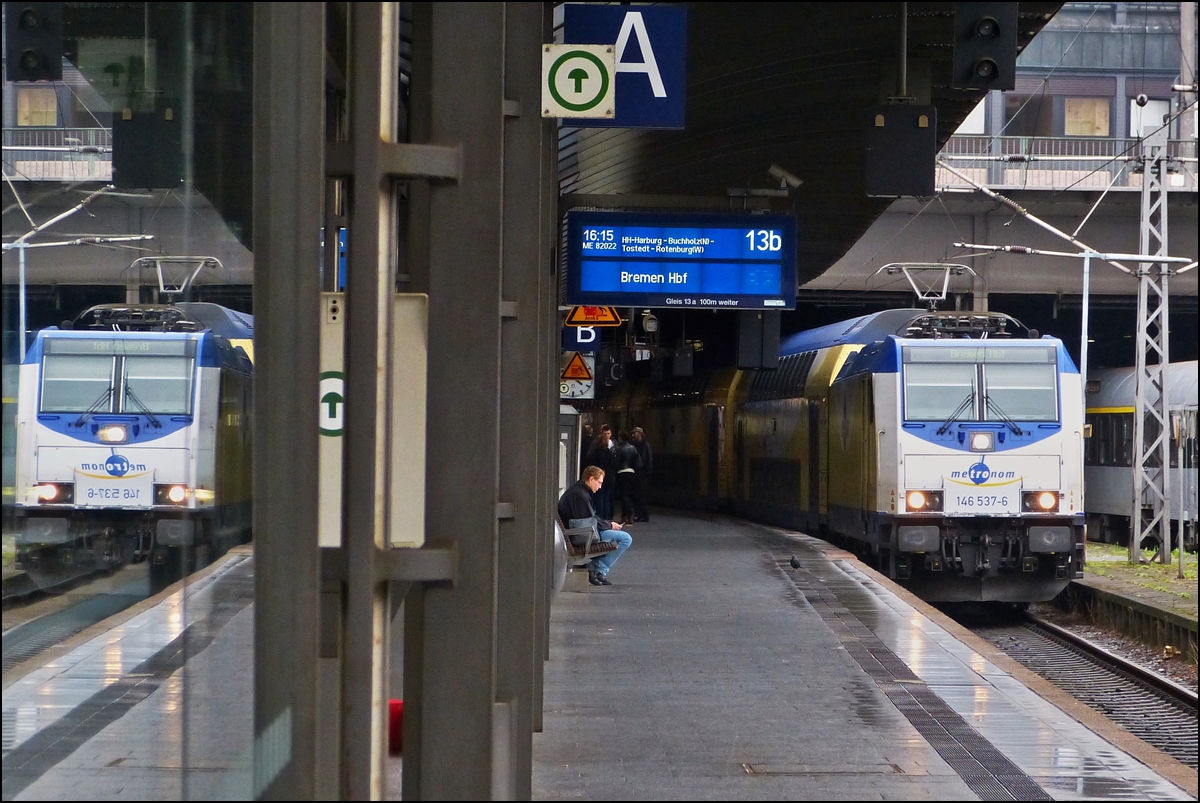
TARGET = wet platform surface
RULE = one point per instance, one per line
(713, 669)
(710, 669)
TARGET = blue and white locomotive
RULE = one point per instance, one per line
(946, 448)
(134, 440)
(967, 446)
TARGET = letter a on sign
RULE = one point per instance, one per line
(651, 60)
(576, 368)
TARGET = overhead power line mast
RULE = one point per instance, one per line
(1151, 432)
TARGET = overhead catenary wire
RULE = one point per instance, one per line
(1020, 210)
(17, 195)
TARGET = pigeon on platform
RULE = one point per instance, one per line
(795, 563)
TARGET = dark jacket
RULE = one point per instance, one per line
(627, 457)
(604, 459)
(576, 503)
(646, 454)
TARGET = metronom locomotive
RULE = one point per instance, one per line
(945, 448)
(134, 441)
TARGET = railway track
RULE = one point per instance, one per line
(1153, 708)
(44, 617)
(19, 589)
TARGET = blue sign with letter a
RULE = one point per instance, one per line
(651, 54)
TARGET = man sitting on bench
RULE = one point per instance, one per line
(575, 504)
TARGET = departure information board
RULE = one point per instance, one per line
(646, 259)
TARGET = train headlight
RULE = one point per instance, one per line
(1040, 501)
(923, 501)
(170, 494)
(55, 493)
(113, 433)
(983, 441)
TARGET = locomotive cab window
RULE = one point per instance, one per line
(118, 376)
(943, 383)
(161, 384)
(1022, 392)
(77, 383)
(935, 392)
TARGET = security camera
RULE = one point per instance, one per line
(786, 179)
(1142, 100)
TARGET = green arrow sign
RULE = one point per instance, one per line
(333, 399)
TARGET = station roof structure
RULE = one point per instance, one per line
(790, 84)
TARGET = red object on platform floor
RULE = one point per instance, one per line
(395, 727)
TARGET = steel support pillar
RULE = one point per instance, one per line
(1151, 432)
(473, 648)
(288, 174)
(370, 284)
(528, 405)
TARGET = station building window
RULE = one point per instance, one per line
(1087, 117)
(1028, 115)
(37, 106)
(1147, 119)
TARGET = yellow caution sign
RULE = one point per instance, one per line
(593, 316)
(577, 368)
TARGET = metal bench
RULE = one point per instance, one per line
(594, 548)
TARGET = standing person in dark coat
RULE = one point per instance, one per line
(575, 504)
(627, 463)
(641, 486)
(601, 456)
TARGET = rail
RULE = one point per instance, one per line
(1059, 163)
(58, 154)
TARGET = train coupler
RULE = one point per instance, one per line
(983, 563)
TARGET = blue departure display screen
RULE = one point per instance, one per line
(639, 259)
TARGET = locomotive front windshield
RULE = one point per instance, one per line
(118, 376)
(945, 384)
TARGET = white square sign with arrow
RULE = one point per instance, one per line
(578, 81)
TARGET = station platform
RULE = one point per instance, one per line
(710, 669)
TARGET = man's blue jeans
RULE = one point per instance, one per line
(605, 562)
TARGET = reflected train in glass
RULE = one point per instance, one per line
(1108, 460)
(134, 441)
(944, 448)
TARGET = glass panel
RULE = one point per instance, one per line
(936, 392)
(141, 155)
(1086, 117)
(77, 384)
(1028, 115)
(1147, 119)
(158, 385)
(37, 106)
(1021, 392)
